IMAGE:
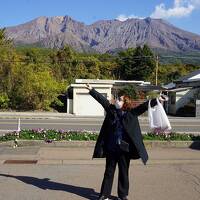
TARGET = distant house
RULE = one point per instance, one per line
(184, 94)
(190, 80)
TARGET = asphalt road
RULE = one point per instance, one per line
(191, 125)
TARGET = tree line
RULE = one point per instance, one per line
(32, 78)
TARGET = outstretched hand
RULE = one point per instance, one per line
(88, 86)
(163, 97)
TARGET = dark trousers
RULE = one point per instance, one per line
(123, 161)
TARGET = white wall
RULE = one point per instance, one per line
(84, 104)
(70, 106)
(184, 97)
(181, 99)
(87, 105)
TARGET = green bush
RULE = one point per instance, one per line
(4, 101)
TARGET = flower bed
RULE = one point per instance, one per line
(58, 135)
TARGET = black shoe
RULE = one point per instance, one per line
(103, 198)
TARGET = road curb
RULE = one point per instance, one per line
(172, 144)
(148, 144)
(42, 115)
(52, 115)
(102, 162)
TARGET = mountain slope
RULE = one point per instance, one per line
(105, 35)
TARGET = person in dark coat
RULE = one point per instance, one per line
(119, 141)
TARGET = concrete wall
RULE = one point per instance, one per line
(84, 104)
(183, 98)
(69, 106)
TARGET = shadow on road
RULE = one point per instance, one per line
(46, 183)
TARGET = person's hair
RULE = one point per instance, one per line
(128, 103)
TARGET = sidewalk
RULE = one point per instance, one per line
(83, 155)
(32, 115)
(69, 173)
(85, 144)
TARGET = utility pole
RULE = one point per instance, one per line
(157, 70)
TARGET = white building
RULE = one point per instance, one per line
(184, 94)
(82, 104)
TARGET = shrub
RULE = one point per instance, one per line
(4, 101)
(83, 135)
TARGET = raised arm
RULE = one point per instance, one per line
(144, 106)
(98, 97)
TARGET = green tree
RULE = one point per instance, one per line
(62, 63)
(9, 62)
(170, 72)
(92, 64)
(4, 40)
(129, 90)
(36, 89)
(136, 64)
(126, 62)
(4, 101)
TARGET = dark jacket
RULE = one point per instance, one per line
(131, 126)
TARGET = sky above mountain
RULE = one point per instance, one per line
(184, 14)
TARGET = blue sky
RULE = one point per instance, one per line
(184, 14)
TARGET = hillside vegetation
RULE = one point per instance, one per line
(31, 78)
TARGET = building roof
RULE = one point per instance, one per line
(169, 86)
(193, 76)
(147, 88)
(179, 89)
(116, 84)
(113, 82)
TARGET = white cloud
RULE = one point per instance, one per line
(196, 3)
(181, 8)
(125, 17)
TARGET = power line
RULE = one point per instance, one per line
(36, 62)
(186, 57)
(57, 61)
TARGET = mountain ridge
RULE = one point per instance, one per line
(104, 35)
